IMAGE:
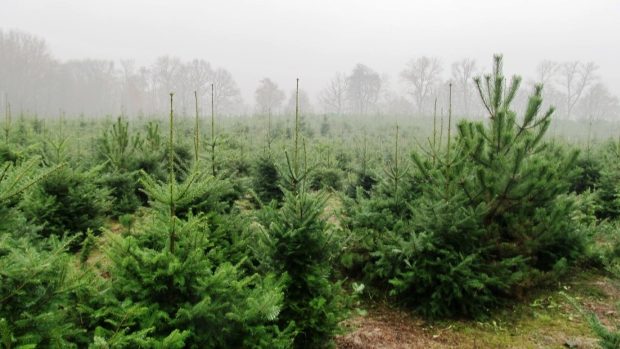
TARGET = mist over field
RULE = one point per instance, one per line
(108, 57)
(344, 174)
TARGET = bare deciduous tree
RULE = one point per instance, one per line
(25, 62)
(546, 71)
(226, 95)
(462, 74)
(305, 107)
(575, 78)
(363, 88)
(422, 74)
(200, 74)
(334, 96)
(134, 88)
(268, 96)
(598, 103)
(166, 70)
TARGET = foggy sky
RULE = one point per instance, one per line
(314, 39)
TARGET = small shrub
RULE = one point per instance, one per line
(326, 178)
(266, 180)
(68, 202)
(124, 189)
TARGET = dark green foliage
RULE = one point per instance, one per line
(198, 192)
(87, 246)
(371, 215)
(608, 190)
(302, 246)
(124, 156)
(7, 153)
(183, 156)
(366, 181)
(117, 146)
(490, 220)
(35, 287)
(442, 270)
(588, 175)
(238, 166)
(454, 230)
(343, 160)
(172, 270)
(124, 188)
(214, 306)
(175, 271)
(326, 178)
(218, 198)
(152, 139)
(67, 202)
(35, 278)
(150, 163)
(266, 179)
(603, 251)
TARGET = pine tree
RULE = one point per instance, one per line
(491, 217)
(117, 146)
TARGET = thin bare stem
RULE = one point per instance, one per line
(212, 132)
(171, 175)
(296, 150)
(196, 130)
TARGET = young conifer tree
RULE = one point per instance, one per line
(266, 179)
(35, 276)
(300, 245)
(491, 219)
(170, 268)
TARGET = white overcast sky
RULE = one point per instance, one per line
(285, 39)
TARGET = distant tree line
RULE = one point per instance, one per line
(33, 81)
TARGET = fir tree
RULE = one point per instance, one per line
(266, 179)
(35, 278)
(35, 286)
(608, 187)
(172, 270)
(67, 202)
(299, 244)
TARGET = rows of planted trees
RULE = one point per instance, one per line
(266, 233)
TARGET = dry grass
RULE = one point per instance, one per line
(548, 320)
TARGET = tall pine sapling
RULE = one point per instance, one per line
(491, 220)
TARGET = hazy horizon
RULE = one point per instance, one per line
(313, 40)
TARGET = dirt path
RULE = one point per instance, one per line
(547, 321)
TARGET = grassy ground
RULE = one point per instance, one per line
(546, 320)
